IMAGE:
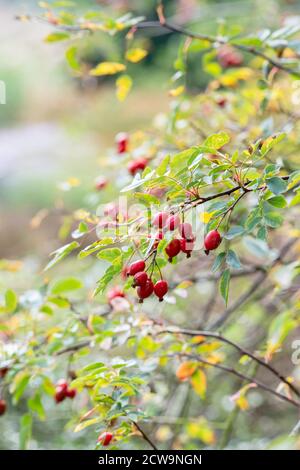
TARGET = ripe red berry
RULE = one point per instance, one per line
(172, 222)
(229, 57)
(140, 279)
(2, 407)
(105, 438)
(136, 267)
(173, 248)
(145, 291)
(71, 393)
(137, 165)
(62, 384)
(160, 289)
(60, 394)
(100, 183)
(221, 102)
(114, 292)
(122, 142)
(212, 240)
(186, 231)
(186, 246)
(160, 219)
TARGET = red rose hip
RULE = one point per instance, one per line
(160, 289)
(186, 231)
(172, 222)
(71, 393)
(212, 240)
(140, 279)
(2, 407)
(145, 291)
(160, 219)
(173, 248)
(136, 267)
(137, 165)
(122, 142)
(105, 438)
(186, 247)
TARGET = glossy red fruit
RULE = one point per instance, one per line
(160, 219)
(145, 291)
(186, 247)
(136, 267)
(186, 231)
(71, 393)
(60, 394)
(100, 183)
(3, 372)
(122, 142)
(2, 407)
(134, 166)
(221, 102)
(105, 438)
(172, 222)
(62, 384)
(212, 240)
(173, 248)
(140, 279)
(160, 289)
(114, 292)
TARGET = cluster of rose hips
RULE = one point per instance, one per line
(105, 438)
(144, 284)
(136, 165)
(62, 391)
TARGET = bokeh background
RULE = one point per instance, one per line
(56, 131)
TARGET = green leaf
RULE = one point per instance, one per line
(25, 431)
(71, 58)
(35, 404)
(66, 285)
(216, 141)
(257, 247)
(277, 201)
(234, 232)
(57, 36)
(276, 185)
(11, 301)
(110, 254)
(19, 385)
(232, 260)
(273, 219)
(61, 253)
(218, 262)
(224, 285)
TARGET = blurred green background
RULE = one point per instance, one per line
(54, 127)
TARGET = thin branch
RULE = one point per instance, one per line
(241, 376)
(243, 351)
(147, 438)
(253, 287)
(218, 40)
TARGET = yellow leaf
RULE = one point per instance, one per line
(135, 55)
(242, 403)
(205, 217)
(199, 383)
(107, 68)
(87, 423)
(186, 370)
(123, 84)
(176, 91)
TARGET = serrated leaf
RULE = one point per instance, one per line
(232, 260)
(216, 141)
(110, 254)
(277, 201)
(234, 232)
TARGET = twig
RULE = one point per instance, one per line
(241, 349)
(147, 438)
(254, 286)
(241, 376)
